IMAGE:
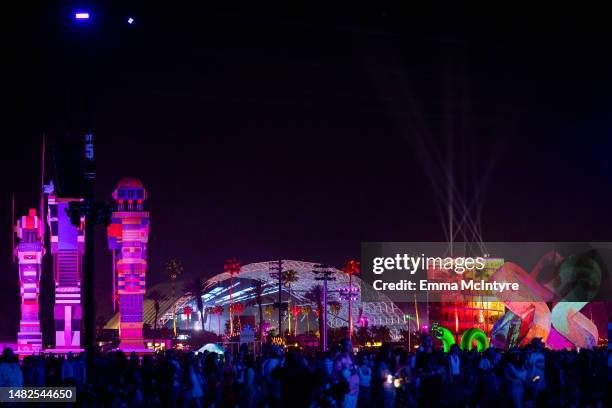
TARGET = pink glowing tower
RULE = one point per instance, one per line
(29, 251)
(128, 235)
(67, 247)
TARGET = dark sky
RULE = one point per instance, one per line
(298, 134)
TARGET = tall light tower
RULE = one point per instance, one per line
(67, 239)
(128, 233)
(351, 268)
(77, 190)
(276, 272)
(174, 268)
(91, 219)
(29, 251)
(80, 56)
(324, 273)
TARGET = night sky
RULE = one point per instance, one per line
(299, 134)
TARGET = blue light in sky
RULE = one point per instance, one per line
(130, 20)
(81, 15)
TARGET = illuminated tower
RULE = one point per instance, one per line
(67, 247)
(479, 309)
(128, 235)
(29, 252)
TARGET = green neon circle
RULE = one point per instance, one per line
(477, 335)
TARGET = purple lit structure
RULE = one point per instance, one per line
(29, 251)
(128, 235)
(67, 247)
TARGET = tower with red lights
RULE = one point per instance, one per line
(466, 310)
(67, 247)
(29, 252)
(128, 235)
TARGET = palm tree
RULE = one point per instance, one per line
(231, 266)
(100, 323)
(296, 312)
(218, 311)
(289, 277)
(238, 308)
(269, 310)
(194, 288)
(174, 268)
(334, 309)
(306, 309)
(351, 268)
(258, 290)
(407, 337)
(381, 334)
(187, 311)
(155, 296)
(315, 295)
(363, 335)
(209, 312)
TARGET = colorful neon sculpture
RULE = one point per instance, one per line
(474, 335)
(67, 247)
(573, 325)
(29, 253)
(468, 338)
(128, 235)
(507, 331)
(560, 328)
(463, 310)
(445, 335)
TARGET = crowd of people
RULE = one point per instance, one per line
(531, 376)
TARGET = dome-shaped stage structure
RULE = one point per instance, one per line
(370, 306)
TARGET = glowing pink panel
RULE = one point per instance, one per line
(29, 253)
(67, 247)
(128, 235)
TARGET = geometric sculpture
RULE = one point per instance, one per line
(509, 330)
(535, 320)
(29, 252)
(67, 248)
(128, 235)
(573, 326)
(462, 310)
(560, 326)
